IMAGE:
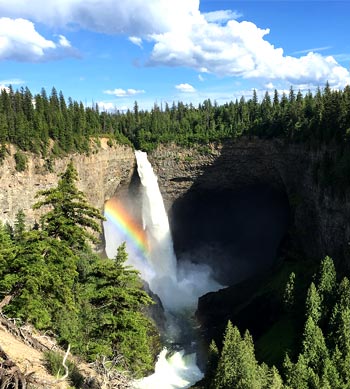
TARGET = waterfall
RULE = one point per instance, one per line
(178, 285)
(161, 255)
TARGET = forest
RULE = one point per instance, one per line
(30, 122)
(319, 356)
(53, 279)
(52, 126)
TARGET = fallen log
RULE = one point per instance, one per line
(11, 375)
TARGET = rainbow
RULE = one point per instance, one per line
(116, 213)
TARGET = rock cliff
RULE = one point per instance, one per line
(100, 174)
(318, 220)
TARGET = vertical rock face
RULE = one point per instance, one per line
(319, 221)
(100, 175)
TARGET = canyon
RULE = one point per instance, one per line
(219, 180)
(318, 219)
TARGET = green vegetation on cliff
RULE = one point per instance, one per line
(50, 277)
(51, 126)
(321, 355)
(31, 122)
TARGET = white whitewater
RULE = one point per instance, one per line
(178, 286)
(162, 260)
(177, 371)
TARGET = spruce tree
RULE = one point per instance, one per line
(120, 327)
(237, 367)
(313, 304)
(70, 218)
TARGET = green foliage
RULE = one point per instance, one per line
(317, 120)
(53, 361)
(313, 304)
(20, 226)
(289, 293)
(237, 366)
(41, 276)
(56, 282)
(212, 364)
(323, 357)
(70, 218)
(21, 161)
(118, 297)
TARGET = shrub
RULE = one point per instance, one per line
(21, 161)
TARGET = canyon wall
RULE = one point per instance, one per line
(100, 174)
(319, 221)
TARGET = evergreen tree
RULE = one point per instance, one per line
(120, 327)
(327, 279)
(296, 375)
(40, 278)
(237, 367)
(212, 364)
(313, 304)
(289, 292)
(70, 218)
(314, 346)
(20, 226)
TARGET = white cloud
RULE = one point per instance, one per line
(106, 106)
(212, 42)
(240, 49)
(185, 88)
(221, 16)
(133, 17)
(4, 84)
(200, 78)
(64, 42)
(13, 81)
(118, 92)
(314, 49)
(269, 85)
(135, 40)
(20, 41)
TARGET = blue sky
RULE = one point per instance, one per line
(114, 52)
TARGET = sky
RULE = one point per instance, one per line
(116, 52)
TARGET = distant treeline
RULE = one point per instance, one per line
(30, 121)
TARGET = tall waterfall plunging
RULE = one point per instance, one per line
(161, 256)
(177, 285)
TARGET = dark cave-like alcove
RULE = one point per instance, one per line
(235, 231)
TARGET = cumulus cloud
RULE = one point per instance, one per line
(185, 88)
(20, 41)
(118, 92)
(135, 40)
(221, 16)
(212, 42)
(134, 17)
(106, 106)
(64, 42)
(239, 49)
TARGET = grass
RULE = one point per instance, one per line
(54, 366)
